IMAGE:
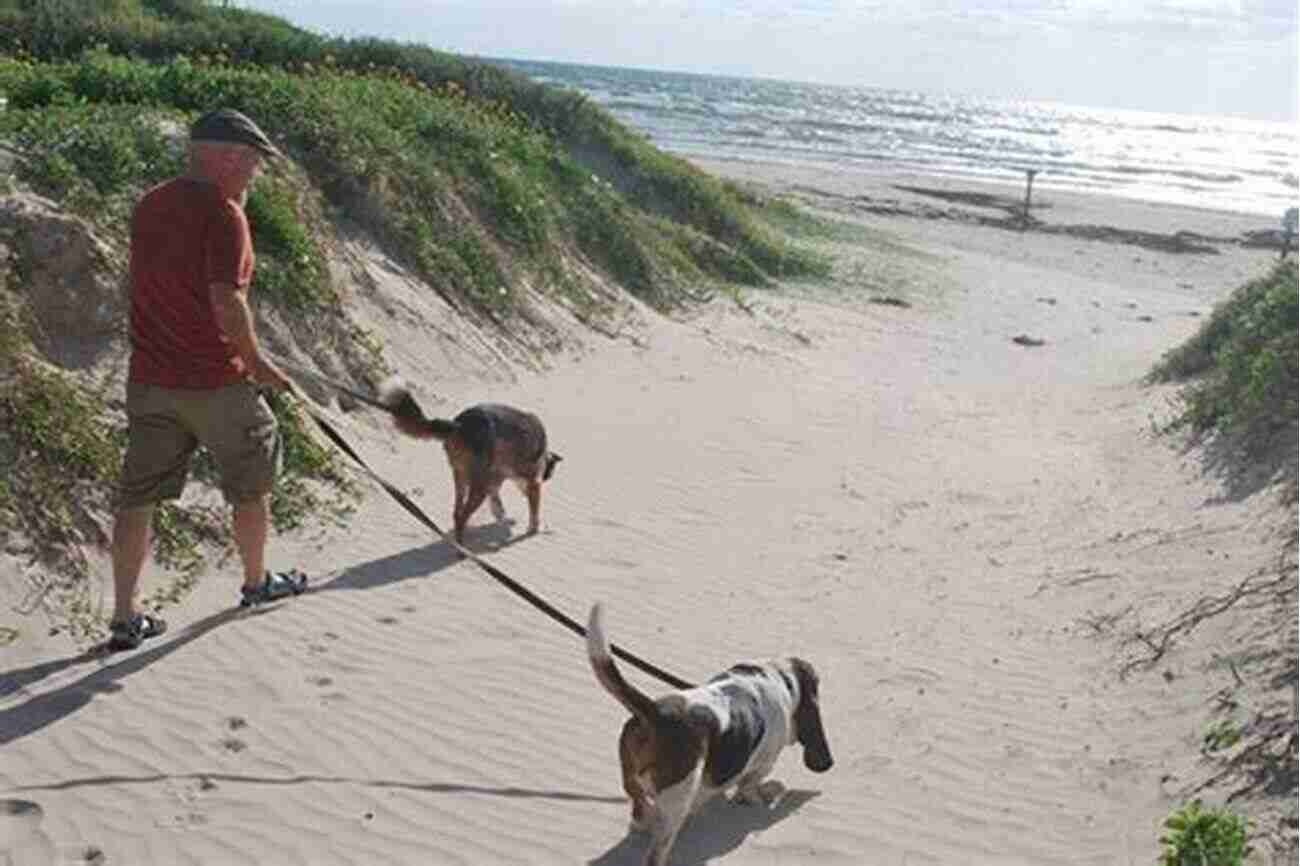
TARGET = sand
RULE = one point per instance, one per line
(938, 517)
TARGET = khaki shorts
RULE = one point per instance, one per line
(166, 425)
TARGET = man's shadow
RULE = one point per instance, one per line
(720, 826)
(45, 709)
(418, 562)
(37, 712)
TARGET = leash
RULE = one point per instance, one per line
(497, 574)
(336, 385)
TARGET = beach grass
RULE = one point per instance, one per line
(404, 137)
(1196, 836)
(1240, 369)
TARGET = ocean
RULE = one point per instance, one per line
(1221, 163)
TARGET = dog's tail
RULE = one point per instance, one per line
(608, 674)
(407, 414)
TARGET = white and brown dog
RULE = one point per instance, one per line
(690, 745)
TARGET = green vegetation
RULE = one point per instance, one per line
(476, 176)
(1244, 364)
(291, 267)
(59, 469)
(1245, 354)
(1239, 396)
(1204, 837)
(1223, 734)
(298, 494)
(496, 191)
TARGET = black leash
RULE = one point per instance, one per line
(496, 573)
(336, 385)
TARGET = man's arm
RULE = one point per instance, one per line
(235, 318)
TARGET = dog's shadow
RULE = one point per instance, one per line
(423, 561)
(720, 826)
(496, 537)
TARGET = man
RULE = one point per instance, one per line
(196, 365)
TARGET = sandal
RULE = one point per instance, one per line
(130, 634)
(277, 584)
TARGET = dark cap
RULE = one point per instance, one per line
(231, 127)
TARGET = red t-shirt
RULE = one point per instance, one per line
(185, 236)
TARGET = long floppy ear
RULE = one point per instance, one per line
(808, 719)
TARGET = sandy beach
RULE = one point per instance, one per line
(939, 517)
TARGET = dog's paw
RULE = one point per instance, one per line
(764, 794)
(641, 820)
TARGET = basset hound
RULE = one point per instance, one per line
(682, 749)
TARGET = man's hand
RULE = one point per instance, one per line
(268, 375)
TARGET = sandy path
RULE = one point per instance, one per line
(923, 508)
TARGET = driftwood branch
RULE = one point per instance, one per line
(1158, 640)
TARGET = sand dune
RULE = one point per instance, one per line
(924, 508)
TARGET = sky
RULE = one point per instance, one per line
(1224, 57)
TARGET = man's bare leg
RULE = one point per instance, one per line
(130, 547)
(252, 522)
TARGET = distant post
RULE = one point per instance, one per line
(1029, 189)
(1290, 235)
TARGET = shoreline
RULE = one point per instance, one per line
(1049, 202)
(1007, 180)
(1147, 247)
(1175, 157)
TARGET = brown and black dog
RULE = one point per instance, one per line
(486, 445)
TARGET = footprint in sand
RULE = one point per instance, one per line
(183, 821)
(320, 648)
(327, 697)
(234, 745)
(21, 837)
